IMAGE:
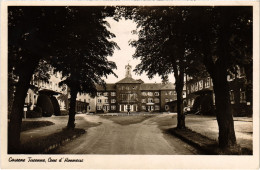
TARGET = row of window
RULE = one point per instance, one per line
(128, 97)
(106, 94)
(151, 100)
(156, 107)
(143, 93)
(242, 97)
(128, 88)
(156, 100)
(150, 93)
(199, 85)
(50, 85)
(106, 101)
(112, 107)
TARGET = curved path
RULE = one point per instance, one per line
(112, 138)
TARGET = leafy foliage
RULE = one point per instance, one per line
(81, 56)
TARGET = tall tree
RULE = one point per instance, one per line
(31, 33)
(220, 38)
(163, 46)
(224, 40)
(82, 55)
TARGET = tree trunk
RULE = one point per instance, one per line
(227, 136)
(17, 108)
(180, 113)
(72, 109)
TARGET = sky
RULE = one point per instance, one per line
(122, 57)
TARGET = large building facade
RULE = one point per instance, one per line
(51, 88)
(134, 95)
(201, 98)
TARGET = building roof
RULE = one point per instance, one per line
(151, 86)
(127, 80)
(109, 87)
(169, 86)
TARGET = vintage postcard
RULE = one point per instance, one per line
(129, 85)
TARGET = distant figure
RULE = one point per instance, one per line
(128, 110)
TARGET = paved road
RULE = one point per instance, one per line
(112, 138)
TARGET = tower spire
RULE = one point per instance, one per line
(128, 71)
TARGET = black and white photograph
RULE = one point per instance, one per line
(94, 85)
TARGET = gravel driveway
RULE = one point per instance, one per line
(112, 138)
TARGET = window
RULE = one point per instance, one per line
(166, 107)
(192, 88)
(143, 107)
(150, 93)
(157, 107)
(184, 94)
(106, 94)
(166, 100)
(133, 87)
(200, 84)
(122, 87)
(127, 88)
(207, 84)
(170, 93)
(232, 97)
(123, 97)
(143, 101)
(99, 100)
(196, 86)
(166, 93)
(150, 100)
(113, 107)
(106, 100)
(144, 94)
(99, 94)
(156, 93)
(156, 100)
(113, 93)
(99, 107)
(242, 96)
(88, 107)
(113, 100)
(171, 100)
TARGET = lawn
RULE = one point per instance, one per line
(28, 125)
(127, 120)
(46, 144)
(166, 122)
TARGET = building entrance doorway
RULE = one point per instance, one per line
(150, 108)
(124, 107)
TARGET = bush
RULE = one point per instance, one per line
(56, 106)
(37, 109)
(64, 112)
(33, 114)
(44, 102)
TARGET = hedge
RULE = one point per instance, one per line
(45, 103)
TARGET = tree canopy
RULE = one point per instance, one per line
(188, 40)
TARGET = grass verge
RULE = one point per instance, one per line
(48, 143)
(207, 145)
(127, 120)
(28, 125)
